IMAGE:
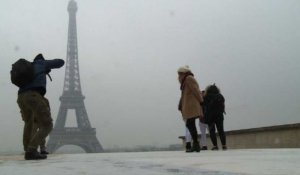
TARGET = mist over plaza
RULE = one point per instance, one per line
(129, 52)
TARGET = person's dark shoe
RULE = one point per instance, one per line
(34, 155)
(196, 147)
(224, 147)
(204, 148)
(188, 147)
(44, 152)
(215, 148)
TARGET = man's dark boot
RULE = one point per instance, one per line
(188, 147)
(44, 152)
(34, 155)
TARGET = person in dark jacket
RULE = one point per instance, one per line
(214, 110)
(35, 108)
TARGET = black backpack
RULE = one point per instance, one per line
(218, 104)
(214, 106)
(22, 72)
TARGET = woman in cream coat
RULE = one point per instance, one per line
(190, 103)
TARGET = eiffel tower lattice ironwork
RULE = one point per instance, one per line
(84, 135)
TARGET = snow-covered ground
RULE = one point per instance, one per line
(230, 162)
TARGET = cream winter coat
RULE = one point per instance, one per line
(191, 98)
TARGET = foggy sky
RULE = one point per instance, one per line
(130, 50)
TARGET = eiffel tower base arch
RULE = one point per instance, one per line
(72, 136)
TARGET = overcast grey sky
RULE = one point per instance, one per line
(129, 52)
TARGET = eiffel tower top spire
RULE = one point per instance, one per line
(72, 7)
(72, 79)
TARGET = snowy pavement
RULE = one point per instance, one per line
(230, 162)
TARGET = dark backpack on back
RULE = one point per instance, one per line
(215, 106)
(218, 104)
(22, 72)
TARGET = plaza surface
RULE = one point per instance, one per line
(230, 162)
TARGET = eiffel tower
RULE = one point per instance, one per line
(84, 135)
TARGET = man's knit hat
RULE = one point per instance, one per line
(39, 57)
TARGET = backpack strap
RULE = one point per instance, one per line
(49, 77)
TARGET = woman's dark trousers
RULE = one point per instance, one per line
(219, 123)
(190, 124)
